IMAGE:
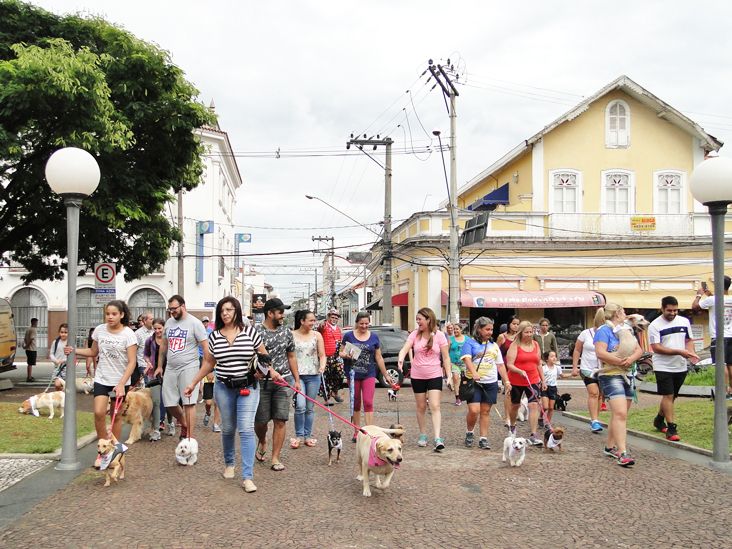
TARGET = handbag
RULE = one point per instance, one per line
(467, 385)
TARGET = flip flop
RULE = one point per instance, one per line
(294, 443)
(311, 442)
(277, 466)
(260, 453)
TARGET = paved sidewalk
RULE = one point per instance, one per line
(460, 498)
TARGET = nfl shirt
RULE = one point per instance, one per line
(183, 337)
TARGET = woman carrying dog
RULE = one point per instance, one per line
(233, 349)
(366, 343)
(613, 380)
(584, 355)
(310, 353)
(526, 377)
(457, 341)
(58, 357)
(116, 346)
(483, 361)
(430, 358)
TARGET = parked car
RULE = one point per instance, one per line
(392, 340)
(7, 337)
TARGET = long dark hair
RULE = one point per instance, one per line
(301, 315)
(122, 307)
(238, 322)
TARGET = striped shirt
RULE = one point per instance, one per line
(235, 359)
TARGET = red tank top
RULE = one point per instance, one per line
(528, 361)
(504, 347)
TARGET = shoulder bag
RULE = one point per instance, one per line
(467, 385)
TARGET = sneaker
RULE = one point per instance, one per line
(338, 399)
(216, 428)
(228, 471)
(483, 444)
(422, 440)
(541, 422)
(458, 402)
(469, 438)
(671, 433)
(603, 407)
(154, 435)
(624, 460)
(533, 441)
(206, 419)
(595, 426)
(611, 452)
(659, 423)
(439, 444)
(171, 428)
(249, 486)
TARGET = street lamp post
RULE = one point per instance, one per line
(711, 184)
(74, 174)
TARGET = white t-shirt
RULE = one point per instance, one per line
(588, 358)
(708, 303)
(551, 374)
(672, 335)
(112, 354)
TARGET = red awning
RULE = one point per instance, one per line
(400, 300)
(465, 298)
(531, 300)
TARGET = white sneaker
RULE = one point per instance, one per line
(249, 486)
(171, 428)
(154, 435)
(229, 471)
(216, 428)
(206, 419)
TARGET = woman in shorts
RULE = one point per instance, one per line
(483, 362)
(584, 355)
(457, 341)
(431, 357)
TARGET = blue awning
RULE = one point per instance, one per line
(492, 199)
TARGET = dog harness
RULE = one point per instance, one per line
(375, 460)
(119, 449)
(552, 443)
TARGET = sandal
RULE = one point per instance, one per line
(294, 443)
(260, 453)
(311, 442)
(277, 466)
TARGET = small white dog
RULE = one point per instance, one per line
(523, 411)
(514, 450)
(186, 453)
(47, 401)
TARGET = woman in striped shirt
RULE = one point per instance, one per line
(233, 349)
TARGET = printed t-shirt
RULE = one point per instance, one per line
(672, 335)
(183, 337)
(365, 365)
(456, 349)
(708, 303)
(112, 354)
(487, 365)
(278, 343)
(427, 362)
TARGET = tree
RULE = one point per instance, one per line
(73, 81)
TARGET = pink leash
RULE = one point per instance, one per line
(547, 423)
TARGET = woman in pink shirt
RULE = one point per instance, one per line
(431, 363)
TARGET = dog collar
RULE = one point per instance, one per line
(374, 460)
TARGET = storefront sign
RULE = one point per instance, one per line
(642, 223)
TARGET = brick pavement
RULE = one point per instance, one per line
(461, 498)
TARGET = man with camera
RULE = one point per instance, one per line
(705, 300)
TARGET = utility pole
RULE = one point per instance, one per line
(315, 294)
(448, 89)
(387, 313)
(331, 277)
(181, 267)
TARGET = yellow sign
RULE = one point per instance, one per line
(642, 223)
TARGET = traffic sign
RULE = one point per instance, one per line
(105, 282)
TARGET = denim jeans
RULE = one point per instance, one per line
(237, 414)
(304, 414)
(157, 405)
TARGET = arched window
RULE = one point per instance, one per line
(617, 124)
(30, 303)
(146, 299)
(669, 192)
(618, 192)
(565, 191)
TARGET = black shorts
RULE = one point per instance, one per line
(589, 380)
(727, 350)
(30, 357)
(208, 391)
(424, 385)
(105, 390)
(669, 383)
(517, 391)
(550, 393)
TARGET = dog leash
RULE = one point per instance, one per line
(117, 405)
(547, 423)
(325, 397)
(396, 388)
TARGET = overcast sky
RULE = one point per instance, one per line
(301, 76)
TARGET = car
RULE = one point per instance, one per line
(392, 340)
(8, 344)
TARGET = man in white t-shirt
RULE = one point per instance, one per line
(670, 339)
(705, 300)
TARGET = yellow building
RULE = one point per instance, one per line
(595, 207)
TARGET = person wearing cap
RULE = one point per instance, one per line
(332, 337)
(275, 400)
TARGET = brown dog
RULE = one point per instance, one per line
(377, 452)
(136, 410)
(396, 434)
(553, 439)
(110, 450)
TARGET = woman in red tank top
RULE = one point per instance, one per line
(526, 377)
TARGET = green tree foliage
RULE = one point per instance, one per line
(73, 81)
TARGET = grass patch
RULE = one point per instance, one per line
(695, 420)
(703, 378)
(25, 434)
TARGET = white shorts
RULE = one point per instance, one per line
(174, 383)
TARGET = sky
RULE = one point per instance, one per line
(301, 76)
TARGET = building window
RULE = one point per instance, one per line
(618, 193)
(566, 192)
(617, 124)
(669, 193)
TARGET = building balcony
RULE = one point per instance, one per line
(583, 226)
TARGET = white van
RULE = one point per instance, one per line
(8, 343)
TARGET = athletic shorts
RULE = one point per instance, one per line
(485, 392)
(517, 391)
(550, 393)
(274, 402)
(174, 383)
(424, 385)
(713, 349)
(30, 357)
(669, 383)
(588, 380)
(105, 390)
(208, 391)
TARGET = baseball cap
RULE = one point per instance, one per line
(205, 319)
(334, 312)
(274, 303)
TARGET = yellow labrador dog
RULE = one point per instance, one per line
(377, 452)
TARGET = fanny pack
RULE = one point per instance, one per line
(238, 382)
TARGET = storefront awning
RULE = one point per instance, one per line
(464, 300)
(374, 305)
(494, 198)
(400, 300)
(531, 299)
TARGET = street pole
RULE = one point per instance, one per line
(181, 266)
(332, 275)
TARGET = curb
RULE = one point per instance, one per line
(651, 438)
(80, 443)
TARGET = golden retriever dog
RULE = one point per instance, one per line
(377, 452)
(83, 384)
(136, 410)
(48, 401)
(112, 453)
